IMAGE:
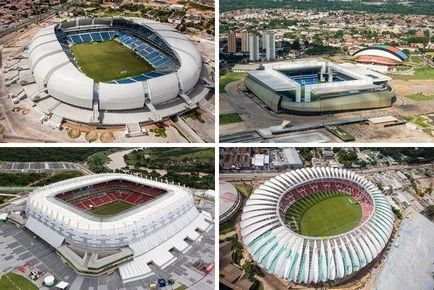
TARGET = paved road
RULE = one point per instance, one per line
(250, 174)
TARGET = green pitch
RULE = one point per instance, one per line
(109, 60)
(112, 208)
(12, 281)
(324, 214)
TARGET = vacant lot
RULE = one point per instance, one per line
(420, 97)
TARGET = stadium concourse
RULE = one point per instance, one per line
(272, 225)
(156, 72)
(100, 223)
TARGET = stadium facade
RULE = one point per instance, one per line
(283, 251)
(314, 87)
(64, 92)
(230, 201)
(380, 55)
(159, 218)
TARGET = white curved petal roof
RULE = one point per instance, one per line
(189, 57)
(121, 97)
(69, 85)
(161, 88)
(52, 69)
(289, 255)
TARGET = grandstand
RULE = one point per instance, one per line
(100, 195)
(317, 224)
(100, 223)
(154, 76)
(314, 87)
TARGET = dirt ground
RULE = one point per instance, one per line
(405, 88)
(238, 101)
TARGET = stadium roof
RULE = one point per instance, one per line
(274, 80)
(289, 255)
(409, 262)
(151, 231)
(55, 71)
(174, 203)
(229, 200)
(387, 51)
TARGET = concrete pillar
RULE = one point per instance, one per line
(322, 72)
(307, 94)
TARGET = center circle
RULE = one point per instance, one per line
(324, 208)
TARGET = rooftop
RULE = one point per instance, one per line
(409, 264)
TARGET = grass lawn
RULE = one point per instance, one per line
(229, 118)
(341, 133)
(322, 215)
(421, 121)
(12, 281)
(422, 73)
(111, 208)
(420, 97)
(182, 287)
(109, 60)
(228, 78)
(227, 228)
(159, 132)
(244, 188)
(415, 59)
(5, 198)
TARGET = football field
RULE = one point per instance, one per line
(324, 214)
(109, 60)
(110, 208)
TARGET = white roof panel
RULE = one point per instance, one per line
(44, 232)
(121, 96)
(69, 85)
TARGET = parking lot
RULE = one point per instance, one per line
(37, 167)
(21, 249)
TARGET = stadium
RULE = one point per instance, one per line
(316, 225)
(111, 72)
(230, 201)
(384, 55)
(100, 223)
(315, 87)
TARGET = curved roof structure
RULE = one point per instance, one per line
(54, 68)
(161, 217)
(229, 200)
(303, 259)
(386, 51)
(175, 208)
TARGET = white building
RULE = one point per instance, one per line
(270, 45)
(253, 48)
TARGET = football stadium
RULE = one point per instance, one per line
(385, 55)
(104, 222)
(315, 87)
(111, 72)
(317, 224)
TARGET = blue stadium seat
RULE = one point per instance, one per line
(86, 37)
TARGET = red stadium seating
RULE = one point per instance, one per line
(328, 185)
(103, 193)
